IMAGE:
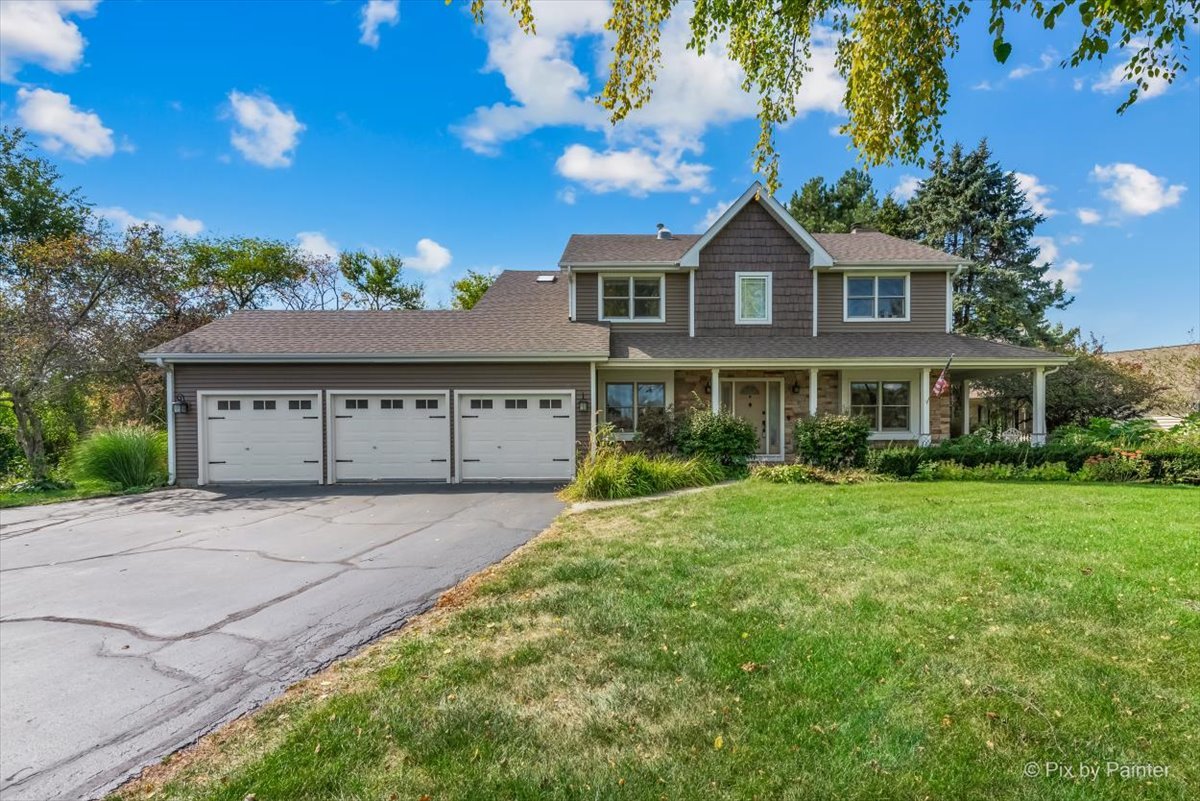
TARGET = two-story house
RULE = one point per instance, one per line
(756, 316)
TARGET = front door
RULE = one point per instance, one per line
(760, 403)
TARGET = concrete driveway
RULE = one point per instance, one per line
(130, 626)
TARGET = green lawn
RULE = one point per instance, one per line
(882, 641)
(83, 489)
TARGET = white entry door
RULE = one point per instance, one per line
(380, 436)
(260, 437)
(516, 435)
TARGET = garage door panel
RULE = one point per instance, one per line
(519, 435)
(379, 437)
(262, 438)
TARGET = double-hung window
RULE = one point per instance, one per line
(877, 297)
(752, 298)
(625, 402)
(887, 404)
(631, 298)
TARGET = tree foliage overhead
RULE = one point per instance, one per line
(893, 55)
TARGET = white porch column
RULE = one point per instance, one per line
(716, 390)
(924, 438)
(812, 391)
(1039, 406)
(966, 401)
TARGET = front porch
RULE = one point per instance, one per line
(899, 400)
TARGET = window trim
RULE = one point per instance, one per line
(629, 277)
(847, 377)
(668, 398)
(738, 319)
(846, 318)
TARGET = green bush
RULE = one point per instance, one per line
(614, 474)
(954, 471)
(718, 437)
(899, 461)
(127, 456)
(806, 474)
(1118, 467)
(656, 431)
(833, 441)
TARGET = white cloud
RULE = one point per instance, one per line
(634, 170)
(1135, 190)
(1115, 79)
(317, 244)
(712, 215)
(982, 86)
(265, 134)
(1088, 216)
(567, 195)
(1069, 271)
(1045, 62)
(178, 224)
(691, 94)
(38, 32)
(63, 127)
(908, 186)
(374, 14)
(430, 258)
(1037, 194)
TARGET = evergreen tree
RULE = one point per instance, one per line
(836, 208)
(972, 208)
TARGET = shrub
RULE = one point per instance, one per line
(1118, 467)
(613, 474)
(901, 462)
(718, 437)
(127, 456)
(832, 441)
(954, 471)
(656, 431)
(806, 474)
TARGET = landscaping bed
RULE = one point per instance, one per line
(888, 640)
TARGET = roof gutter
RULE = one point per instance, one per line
(843, 362)
(162, 359)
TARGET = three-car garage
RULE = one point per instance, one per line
(379, 434)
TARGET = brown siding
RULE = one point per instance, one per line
(587, 308)
(928, 312)
(754, 242)
(190, 378)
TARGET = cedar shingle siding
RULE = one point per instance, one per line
(190, 378)
(927, 315)
(754, 242)
(587, 308)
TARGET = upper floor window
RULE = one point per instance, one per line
(752, 298)
(630, 298)
(876, 297)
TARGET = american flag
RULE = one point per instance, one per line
(942, 385)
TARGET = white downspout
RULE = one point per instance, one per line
(170, 387)
(595, 407)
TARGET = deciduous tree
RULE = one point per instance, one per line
(470, 288)
(376, 281)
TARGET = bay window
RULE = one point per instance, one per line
(887, 404)
(630, 298)
(876, 297)
(625, 401)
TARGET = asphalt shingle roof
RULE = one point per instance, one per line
(518, 315)
(861, 247)
(628, 345)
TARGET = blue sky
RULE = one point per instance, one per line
(409, 129)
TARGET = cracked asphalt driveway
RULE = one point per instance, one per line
(131, 626)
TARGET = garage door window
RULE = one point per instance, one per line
(481, 403)
(391, 403)
(264, 406)
(516, 403)
(550, 403)
(297, 405)
(625, 402)
(427, 403)
(228, 406)
(356, 403)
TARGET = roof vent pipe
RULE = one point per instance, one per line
(664, 232)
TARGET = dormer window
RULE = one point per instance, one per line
(631, 298)
(876, 297)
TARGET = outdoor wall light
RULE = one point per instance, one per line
(707, 387)
(795, 388)
(180, 406)
(582, 406)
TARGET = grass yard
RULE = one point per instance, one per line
(881, 641)
(82, 489)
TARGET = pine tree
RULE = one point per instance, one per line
(837, 208)
(972, 208)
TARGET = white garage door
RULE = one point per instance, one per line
(261, 437)
(398, 436)
(517, 435)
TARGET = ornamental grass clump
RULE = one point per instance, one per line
(611, 474)
(128, 457)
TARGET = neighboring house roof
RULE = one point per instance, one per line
(519, 316)
(841, 347)
(1175, 368)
